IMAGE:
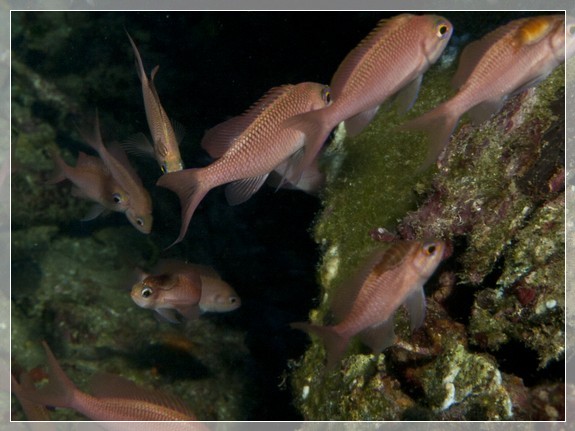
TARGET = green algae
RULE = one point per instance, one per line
(494, 197)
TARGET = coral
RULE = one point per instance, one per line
(498, 198)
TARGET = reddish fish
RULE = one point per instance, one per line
(186, 288)
(365, 304)
(91, 180)
(510, 59)
(248, 148)
(135, 201)
(390, 60)
(165, 139)
(113, 399)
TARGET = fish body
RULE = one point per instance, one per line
(247, 148)
(165, 139)
(365, 304)
(114, 398)
(186, 288)
(391, 60)
(91, 180)
(134, 200)
(510, 59)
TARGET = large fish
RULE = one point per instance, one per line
(366, 303)
(113, 399)
(247, 147)
(510, 59)
(165, 139)
(185, 288)
(135, 201)
(391, 60)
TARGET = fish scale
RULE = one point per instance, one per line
(247, 148)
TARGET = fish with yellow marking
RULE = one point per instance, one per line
(391, 60)
(113, 398)
(365, 304)
(185, 288)
(247, 148)
(513, 57)
(166, 139)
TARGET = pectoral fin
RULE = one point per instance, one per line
(415, 304)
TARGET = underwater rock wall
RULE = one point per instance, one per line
(494, 327)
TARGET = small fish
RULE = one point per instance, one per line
(186, 288)
(391, 60)
(247, 148)
(91, 180)
(365, 304)
(165, 138)
(113, 398)
(135, 200)
(504, 62)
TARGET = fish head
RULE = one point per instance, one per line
(427, 257)
(218, 296)
(171, 164)
(320, 97)
(140, 220)
(435, 38)
(148, 292)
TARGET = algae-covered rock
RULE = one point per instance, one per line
(497, 198)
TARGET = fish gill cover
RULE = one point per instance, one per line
(497, 197)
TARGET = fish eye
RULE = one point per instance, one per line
(140, 221)
(326, 95)
(442, 30)
(117, 198)
(430, 249)
(147, 292)
(233, 300)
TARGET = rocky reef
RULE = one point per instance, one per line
(493, 337)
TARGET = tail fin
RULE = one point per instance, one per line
(59, 392)
(438, 124)
(186, 184)
(316, 128)
(334, 343)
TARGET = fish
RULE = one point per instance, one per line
(92, 181)
(390, 61)
(188, 289)
(113, 398)
(364, 305)
(246, 148)
(135, 200)
(506, 61)
(166, 138)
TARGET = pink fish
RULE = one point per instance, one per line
(91, 180)
(113, 399)
(135, 200)
(165, 138)
(390, 60)
(365, 304)
(247, 148)
(185, 288)
(508, 60)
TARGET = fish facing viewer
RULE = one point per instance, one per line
(114, 398)
(365, 304)
(391, 60)
(247, 148)
(185, 288)
(510, 59)
(135, 202)
(166, 140)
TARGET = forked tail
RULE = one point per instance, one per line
(186, 185)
